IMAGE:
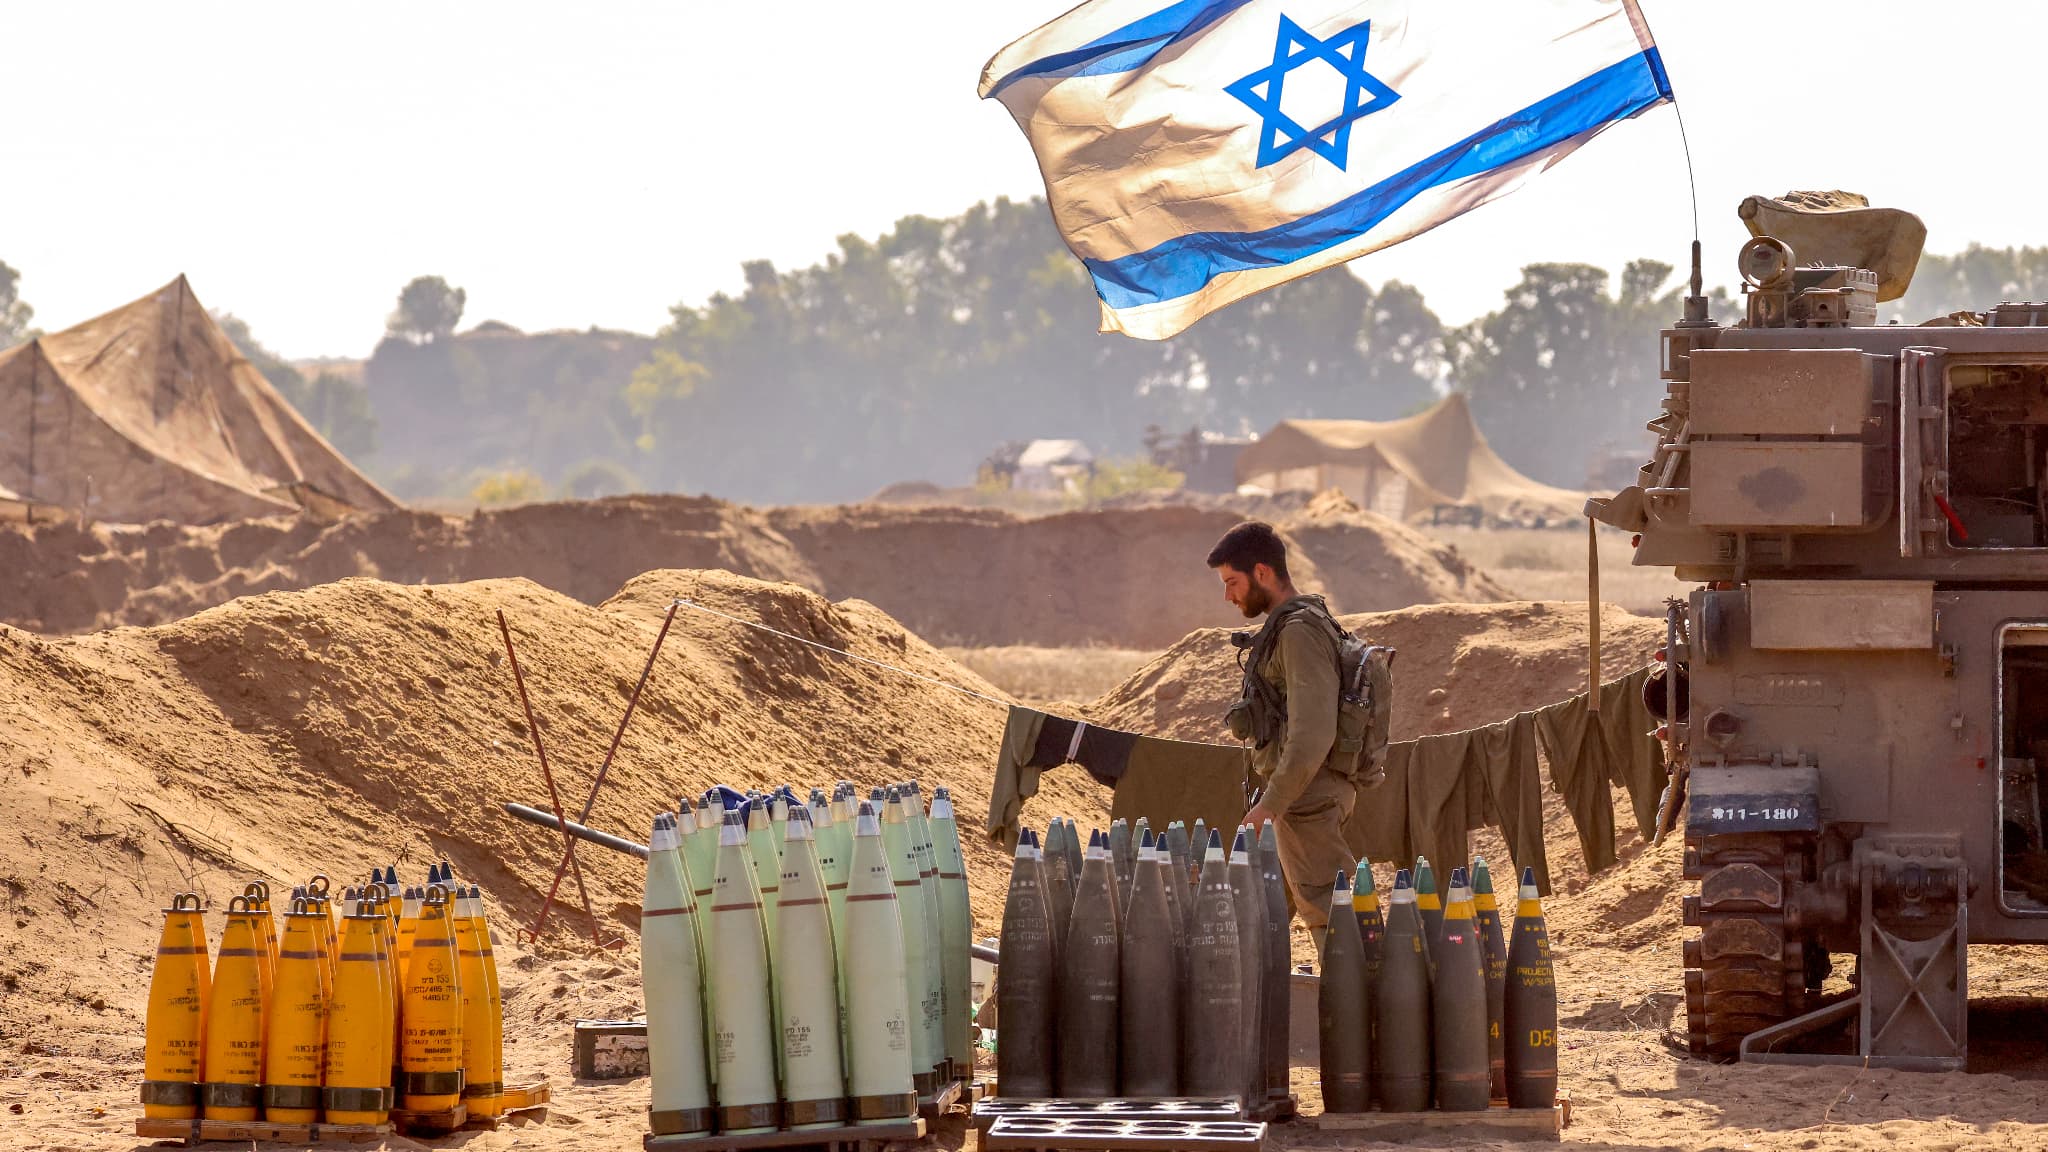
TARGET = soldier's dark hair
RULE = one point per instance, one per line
(1251, 543)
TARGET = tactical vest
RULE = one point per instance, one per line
(1365, 702)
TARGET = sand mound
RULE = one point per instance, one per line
(364, 723)
(63, 577)
(1130, 577)
(1122, 577)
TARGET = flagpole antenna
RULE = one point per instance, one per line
(1695, 300)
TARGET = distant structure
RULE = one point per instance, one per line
(1051, 466)
(1207, 461)
(1435, 465)
(149, 413)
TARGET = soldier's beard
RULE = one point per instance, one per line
(1256, 601)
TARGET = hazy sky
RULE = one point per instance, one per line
(596, 163)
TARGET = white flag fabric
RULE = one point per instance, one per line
(1198, 151)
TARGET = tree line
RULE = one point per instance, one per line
(912, 354)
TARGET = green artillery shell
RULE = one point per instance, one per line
(1027, 984)
(1071, 845)
(1486, 913)
(1247, 889)
(1529, 1011)
(956, 931)
(1463, 1081)
(833, 870)
(742, 1016)
(765, 845)
(699, 833)
(1212, 1060)
(807, 986)
(1276, 1010)
(1149, 997)
(878, 1076)
(910, 907)
(1401, 1026)
(934, 932)
(679, 1081)
(1341, 1011)
(1090, 979)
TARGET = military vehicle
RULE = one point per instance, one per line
(1858, 701)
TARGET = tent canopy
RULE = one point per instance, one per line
(1404, 468)
(149, 413)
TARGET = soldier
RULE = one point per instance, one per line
(1289, 712)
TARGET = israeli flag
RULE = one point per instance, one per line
(1198, 151)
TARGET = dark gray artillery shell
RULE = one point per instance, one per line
(1182, 877)
(1120, 846)
(1059, 881)
(1486, 913)
(1180, 900)
(1463, 1081)
(1341, 1012)
(1026, 992)
(1212, 1059)
(1401, 1032)
(1429, 906)
(1150, 999)
(1247, 889)
(1089, 978)
(1529, 1011)
(1072, 846)
(1275, 1010)
(1365, 907)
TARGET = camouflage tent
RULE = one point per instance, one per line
(1418, 466)
(149, 413)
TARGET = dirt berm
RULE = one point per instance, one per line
(1130, 577)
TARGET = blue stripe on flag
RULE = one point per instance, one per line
(1182, 265)
(1128, 48)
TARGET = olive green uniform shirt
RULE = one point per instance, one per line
(1303, 669)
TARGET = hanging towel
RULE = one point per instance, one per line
(1506, 753)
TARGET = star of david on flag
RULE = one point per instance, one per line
(1279, 135)
(1198, 151)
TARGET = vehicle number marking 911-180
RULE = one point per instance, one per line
(1759, 813)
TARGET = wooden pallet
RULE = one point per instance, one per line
(847, 1138)
(1530, 1123)
(243, 1131)
(520, 1097)
(431, 1123)
(1216, 1108)
(943, 1101)
(1043, 1134)
(519, 1104)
